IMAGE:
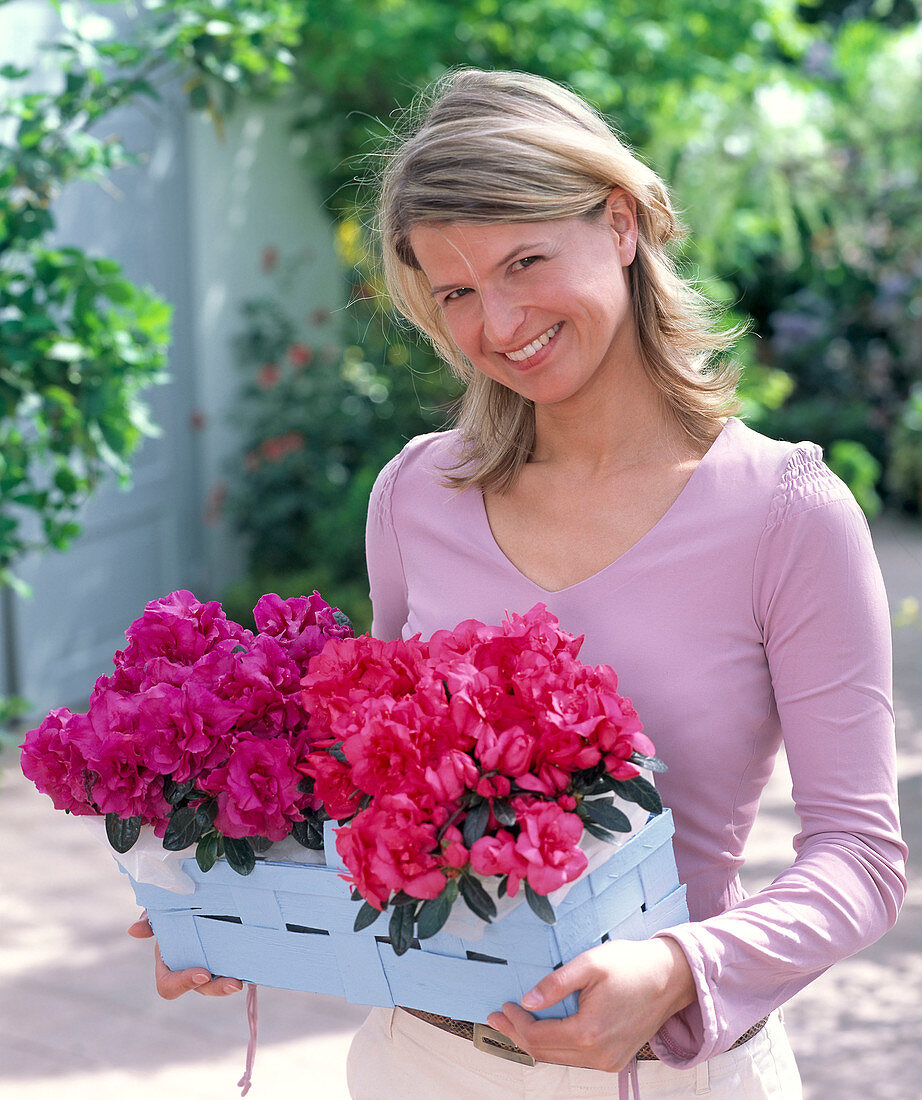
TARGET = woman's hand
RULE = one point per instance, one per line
(173, 983)
(627, 991)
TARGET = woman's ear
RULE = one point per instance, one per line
(621, 218)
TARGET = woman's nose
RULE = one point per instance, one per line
(502, 318)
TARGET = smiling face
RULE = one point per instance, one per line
(541, 307)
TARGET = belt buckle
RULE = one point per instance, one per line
(491, 1041)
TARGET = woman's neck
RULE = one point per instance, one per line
(604, 433)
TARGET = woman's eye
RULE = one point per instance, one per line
(526, 261)
(454, 295)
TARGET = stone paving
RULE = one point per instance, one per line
(79, 1018)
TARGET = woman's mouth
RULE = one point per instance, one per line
(532, 349)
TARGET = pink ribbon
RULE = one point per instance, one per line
(252, 1020)
(627, 1081)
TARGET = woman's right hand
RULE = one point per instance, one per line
(173, 983)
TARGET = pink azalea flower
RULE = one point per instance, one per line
(549, 842)
(256, 790)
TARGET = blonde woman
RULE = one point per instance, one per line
(729, 578)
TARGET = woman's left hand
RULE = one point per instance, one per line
(627, 991)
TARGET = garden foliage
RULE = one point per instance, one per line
(788, 130)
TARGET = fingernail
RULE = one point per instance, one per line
(531, 1000)
(200, 979)
(232, 987)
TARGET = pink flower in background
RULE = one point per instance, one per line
(268, 376)
(300, 355)
(278, 447)
(185, 731)
(269, 259)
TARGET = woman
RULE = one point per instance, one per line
(728, 578)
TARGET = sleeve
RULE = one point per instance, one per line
(819, 598)
(386, 578)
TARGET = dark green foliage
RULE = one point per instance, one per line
(432, 915)
(475, 824)
(604, 812)
(639, 790)
(366, 916)
(184, 828)
(400, 928)
(122, 833)
(539, 905)
(316, 425)
(207, 851)
(476, 898)
(309, 833)
(239, 855)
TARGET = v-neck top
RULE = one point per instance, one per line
(752, 611)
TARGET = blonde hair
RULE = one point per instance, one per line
(513, 147)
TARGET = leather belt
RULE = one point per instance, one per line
(494, 1042)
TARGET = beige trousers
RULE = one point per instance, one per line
(396, 1056)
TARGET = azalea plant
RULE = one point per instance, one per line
(473, 762)
(197, 733)
(484, 753)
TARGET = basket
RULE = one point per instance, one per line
(289, 925)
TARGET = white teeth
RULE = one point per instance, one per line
(529, 350)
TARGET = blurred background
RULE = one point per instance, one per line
(200, 378)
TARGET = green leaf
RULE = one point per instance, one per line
(583, 781)
(122, 831)
(540, 906)
(400, 929)
(308, 833)
(503, 812)
(239, 855)
(199, 98)
(183, 829)
(365, 917)
(476, 898)
(604, 812)
(651, 763)
(206, 851)
(206, 812)
(598, 832)
(433, 914)
(175, 792)
(640, 791)
(475, 824)
(503, 886)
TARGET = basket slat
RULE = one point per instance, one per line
(289, 925)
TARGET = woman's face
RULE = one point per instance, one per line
(541, 307)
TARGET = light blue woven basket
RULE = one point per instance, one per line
(289, 925)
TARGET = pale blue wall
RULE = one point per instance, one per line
(191, 222)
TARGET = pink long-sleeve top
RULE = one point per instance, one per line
(753, 612)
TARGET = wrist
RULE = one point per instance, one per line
(679, 990)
